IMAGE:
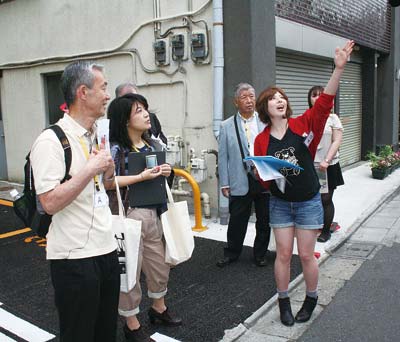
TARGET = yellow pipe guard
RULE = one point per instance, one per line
(198, 227)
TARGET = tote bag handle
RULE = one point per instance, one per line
(121, 209)
(169, 193)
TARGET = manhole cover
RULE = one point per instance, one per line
(6, 188)
(356, 250)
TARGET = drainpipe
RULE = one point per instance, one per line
(218, 65)
(218, 106)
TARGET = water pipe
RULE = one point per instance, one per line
(206, 204)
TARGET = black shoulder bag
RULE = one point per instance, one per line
(28, 207)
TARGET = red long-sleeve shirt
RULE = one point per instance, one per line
(312, 120)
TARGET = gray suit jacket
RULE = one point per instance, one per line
(230, 165)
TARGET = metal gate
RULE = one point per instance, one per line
(296, 74)
(350, 112)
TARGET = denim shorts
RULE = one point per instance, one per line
(302, 215)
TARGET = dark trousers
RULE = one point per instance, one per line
(240, 211)
(86, 296)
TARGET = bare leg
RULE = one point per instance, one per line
(284, 238)
(132, 322)
(306, 239)
(159, 304)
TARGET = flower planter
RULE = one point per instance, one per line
(380, 173)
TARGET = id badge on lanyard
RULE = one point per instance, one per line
(100, 198)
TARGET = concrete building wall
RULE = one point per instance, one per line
(121, 34)
(249, 46)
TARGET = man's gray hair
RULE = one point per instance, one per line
(76, 74)
(122, 86)
(241, 87)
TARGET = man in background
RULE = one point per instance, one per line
(238, 181)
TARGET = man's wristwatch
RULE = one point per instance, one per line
(327, 160)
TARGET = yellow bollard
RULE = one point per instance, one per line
(198, 226)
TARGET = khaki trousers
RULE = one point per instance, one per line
(151, 260)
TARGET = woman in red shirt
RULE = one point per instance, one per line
(296, 209)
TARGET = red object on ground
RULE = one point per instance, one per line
(317, 254)
(335, 227)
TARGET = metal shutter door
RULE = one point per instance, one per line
(350, 112)
(296, 74)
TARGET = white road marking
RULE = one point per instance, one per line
(4, 338)
(23, 329)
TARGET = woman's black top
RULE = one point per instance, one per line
(300, 185)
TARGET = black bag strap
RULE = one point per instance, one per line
(29, 181)
(66, 147)
(240, 142)
(121, 161)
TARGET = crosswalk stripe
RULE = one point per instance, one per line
(23, 329)
(4, 338)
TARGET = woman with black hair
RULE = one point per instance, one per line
(129, 125)
(327, 158)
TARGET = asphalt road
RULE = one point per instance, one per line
(367, 308)
(209, 299)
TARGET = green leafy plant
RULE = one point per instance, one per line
(385, 159)
(375, 161)
(386, 151)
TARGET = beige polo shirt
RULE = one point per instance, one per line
(79, 230)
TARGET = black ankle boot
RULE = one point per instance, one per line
(286, 311)
(325, 235)
(306, 310)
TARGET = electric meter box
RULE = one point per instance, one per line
(179, 46)
(199, 48)
(198, 169)
(161, 52)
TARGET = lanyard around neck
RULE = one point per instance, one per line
(87, 152)
(136, 149)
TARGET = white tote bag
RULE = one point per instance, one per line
(177, 231)
(127, 232)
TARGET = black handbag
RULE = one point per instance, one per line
(255, 186)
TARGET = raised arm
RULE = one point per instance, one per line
(341, 57)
